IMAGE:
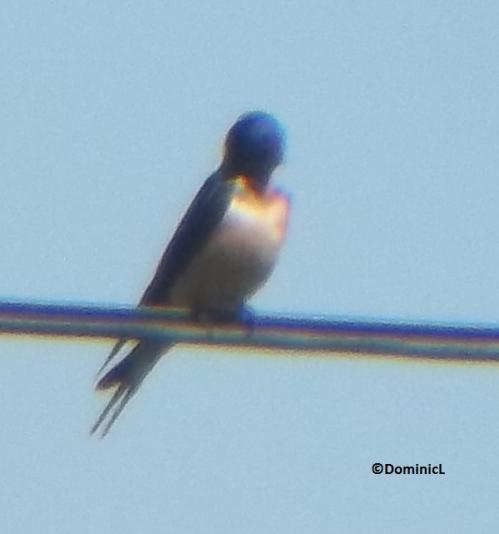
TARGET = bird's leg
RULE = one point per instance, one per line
(246, 317)
(242, 316)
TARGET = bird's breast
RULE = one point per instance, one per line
(239, 255)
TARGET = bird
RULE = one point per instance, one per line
(223, 250)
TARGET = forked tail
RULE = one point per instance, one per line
(126, 376)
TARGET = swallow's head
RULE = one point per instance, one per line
(254, 146)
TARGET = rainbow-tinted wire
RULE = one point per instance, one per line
(308, 335)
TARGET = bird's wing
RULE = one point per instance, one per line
(205, 212)
(202, 217)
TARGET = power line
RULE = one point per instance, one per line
(304, 334)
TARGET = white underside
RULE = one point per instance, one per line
(237, 259)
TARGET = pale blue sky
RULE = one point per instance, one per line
(112, 115)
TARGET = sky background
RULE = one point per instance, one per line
(112, 115)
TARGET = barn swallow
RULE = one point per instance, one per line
(222, 252)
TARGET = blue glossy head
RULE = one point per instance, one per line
(254, 146)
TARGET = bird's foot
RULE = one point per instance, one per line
(242, 316)
(246, 317)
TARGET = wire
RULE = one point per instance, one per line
(304, 334)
